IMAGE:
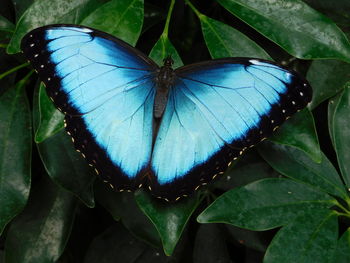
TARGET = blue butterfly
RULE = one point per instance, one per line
(170, 130)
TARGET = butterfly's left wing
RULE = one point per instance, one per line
(106, 90)
(215, 111)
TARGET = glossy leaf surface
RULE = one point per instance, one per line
(311, 237)
(297, 165)
(300, 30)
(56, 11)
(342, 252)
(327, 78)
(300, 132)
(225, 41)
(67, 168)
(121, 18)
(39, 234)
(15, 152)
(51, 119)
(169, 220)
(341, 129)
(264, 204)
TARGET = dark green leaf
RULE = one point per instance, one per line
(342, 252)
(265, 204)
(122, 206)
(40, 233)
(114, 245)
(341, 131)
(164, 48)
(21, 6)
(332, 106)
(64, 165)
(15, 152)
(247, 169)
(295, 164)
(300, 132)
(51, 119)
(311, 237)
(293, 25)
(109, 199)
(225, 41)
(327, 78)
(6, 25)
(55, 11)
(210, 245)
(67, 168)
(169, 219)
(121, 18)
(339, 12)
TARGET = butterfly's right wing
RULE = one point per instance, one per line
(215, 111)
(106, 89)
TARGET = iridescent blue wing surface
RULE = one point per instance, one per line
(215, 111)
(106, 90)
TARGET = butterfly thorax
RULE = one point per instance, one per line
(164, 79)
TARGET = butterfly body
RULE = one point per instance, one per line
(164, 79)
(169, 130)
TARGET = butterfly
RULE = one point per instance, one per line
(168, 130)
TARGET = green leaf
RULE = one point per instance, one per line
(67, 168)
(210, 245)
(55, 11)
(293, 25)
(342, 252)
(169, 219)
(249, 168)
(121, 18)
(264, 204)
(327, 78)
(332, 106)
(15, 152)
(338, 12)
(71, 171)
(122, 206)
(20, 6)
(341, 131)
(300, 132)
(41, 232)
(225, 41)
(295, 164)
(6, 25)
(115, 244)
(311, 237)
(164, 48)
(51, 119)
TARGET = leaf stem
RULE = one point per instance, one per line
(167, 22)
(342, 214)
(13, 70)
(195, 10)
(25, 79)
(343, 208)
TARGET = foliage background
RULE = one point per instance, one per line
(286, 200)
